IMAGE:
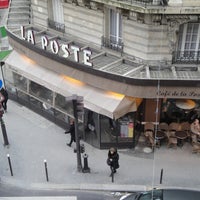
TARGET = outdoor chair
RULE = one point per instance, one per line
(173, 127)
(185, 126)
(149, 134)
(163, 126)
(172, 140)
(150, 139)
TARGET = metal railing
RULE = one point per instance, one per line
(146, 2)
(112, 44)
(186, 57)
(56, 25)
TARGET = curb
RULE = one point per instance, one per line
(83, 186)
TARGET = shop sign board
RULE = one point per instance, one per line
(178, 93)
(55, 47)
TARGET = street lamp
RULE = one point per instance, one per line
(78, 108)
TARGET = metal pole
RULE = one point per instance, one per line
(3, 128)
(78, 153)
(112, 175)
(46, 170)
(10, 166)
(161, 176)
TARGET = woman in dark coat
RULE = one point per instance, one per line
(113, 160)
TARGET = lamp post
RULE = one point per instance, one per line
(78, 108)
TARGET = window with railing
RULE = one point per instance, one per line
(56, 25)
(188, 43)
(56, 16)
(113, 39)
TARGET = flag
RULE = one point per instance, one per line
(3, 32)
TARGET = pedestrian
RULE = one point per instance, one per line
(195, 129)
(72, 133)
(113, 160)
(4, 101)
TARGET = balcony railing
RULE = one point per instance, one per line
(146, 2)
(112, 44)
(186, 57)
(56, 25)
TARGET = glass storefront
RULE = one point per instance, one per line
(98, 130)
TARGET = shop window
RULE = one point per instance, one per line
(41, 92)
(189, 41)
(117, 131)
(20, 81)
(63, 104)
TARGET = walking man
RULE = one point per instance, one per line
(72, 133)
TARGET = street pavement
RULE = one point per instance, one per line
(33, 139)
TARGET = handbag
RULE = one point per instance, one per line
(108, 161)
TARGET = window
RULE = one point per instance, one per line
(55, 15)
(58, 11)
(189, 41)
(115, 27)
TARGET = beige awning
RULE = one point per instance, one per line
(104, 102)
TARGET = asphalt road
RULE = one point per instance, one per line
(10, 191)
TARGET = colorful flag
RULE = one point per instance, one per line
(3, 32)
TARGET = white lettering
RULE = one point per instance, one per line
(55, 47)
(30, 36)
(86, 57)
(65, 48)
(45, 42)
(76, 52)
(23, 33)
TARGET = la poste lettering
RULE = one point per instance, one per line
(55, 47)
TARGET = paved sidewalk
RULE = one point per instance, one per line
(34, 139)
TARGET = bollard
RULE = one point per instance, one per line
(161, 176)
(86, 169)
(10, 166)
(112, 176)
(46, 171)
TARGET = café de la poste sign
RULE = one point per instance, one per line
(55, 47)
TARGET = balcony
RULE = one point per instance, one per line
(112, 44)
(186, 57)
(56, 26)
(143, 3)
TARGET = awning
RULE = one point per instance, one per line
(107, 103)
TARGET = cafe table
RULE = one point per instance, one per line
(181, 136)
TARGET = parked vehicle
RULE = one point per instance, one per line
(163, 194)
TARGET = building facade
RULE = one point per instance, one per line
(133, 62)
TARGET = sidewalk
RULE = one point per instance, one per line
(34, 139)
